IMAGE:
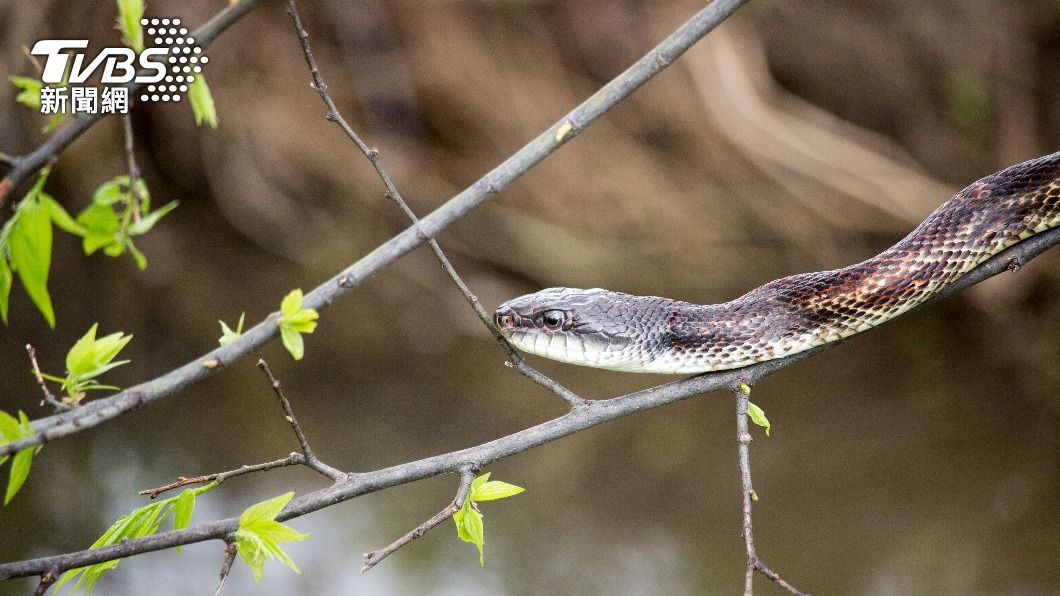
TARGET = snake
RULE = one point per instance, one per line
(651, 334)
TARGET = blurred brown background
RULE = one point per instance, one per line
(919, 459)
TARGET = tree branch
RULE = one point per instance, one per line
(358, 484)
(743, 439)
(372, 154)
(101, 410)
(49, 398)
(134, 168)
(467, 475)
(25, 166)
(310, 459)
(305, 458)
(226, 566)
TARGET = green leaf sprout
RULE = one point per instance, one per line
(468, 518)
(259, 535)
(294, 321)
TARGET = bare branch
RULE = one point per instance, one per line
(372, 154)
(294, 459)
(134, 168)
(310, 459)
(358, 484)
(306, 458)
(467, 475)
(26, 166)
(743, 439)
(48, 397)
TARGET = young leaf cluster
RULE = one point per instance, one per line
(26, 248)
(11, 430)
(87, 359)
(227, 335)
(259, 535)
(468, 518)
(294, 321)
(144, 521)
(108, 224)
(116, 216)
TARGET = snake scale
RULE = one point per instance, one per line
(618, 331)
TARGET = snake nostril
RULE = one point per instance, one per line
(504, 319)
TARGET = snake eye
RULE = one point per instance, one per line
(553, 320)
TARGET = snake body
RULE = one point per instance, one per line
(618, 331)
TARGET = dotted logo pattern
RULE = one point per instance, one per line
(185, 59)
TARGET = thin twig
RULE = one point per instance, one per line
(134, 168)
(333, 114)
(8, 160)
(226, 565)
(310, 458)
(742, 389)
(48, 397)
(467, 475)
(294, 459)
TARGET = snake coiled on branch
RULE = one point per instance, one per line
(618, 331)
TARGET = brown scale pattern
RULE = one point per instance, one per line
(651, 334)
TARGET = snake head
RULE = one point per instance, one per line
(572, 325)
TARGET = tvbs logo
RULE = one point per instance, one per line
(119, 64)
(166, 68)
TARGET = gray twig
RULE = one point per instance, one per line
(743, 439)
(372, 154)
(48, 396)
(310, 458)
(226, 565)
(134, 168)
(467, 475)
(294, 459)
(305, 458)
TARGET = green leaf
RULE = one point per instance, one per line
(141, 260)
(113, 190)
(202, 102)
(491, 491)
(9, 427)
(294, 321)
(227, 335)
(101, 226)
(31, 253)
(469, 527)
(474, 529)
(19, 471)
(758, 416)
(5, 286)
(148, 221)
(129, 14)
(259, 535)
(265, 510)
(292, 340)
(291, 303)
(30, 94)
(60, 217)
(182, 510)
(80, 357)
